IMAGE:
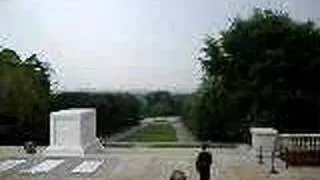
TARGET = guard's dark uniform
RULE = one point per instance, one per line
(203, 165)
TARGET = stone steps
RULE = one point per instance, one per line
(47, 165)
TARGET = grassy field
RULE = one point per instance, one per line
(155, 132)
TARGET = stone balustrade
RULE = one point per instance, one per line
(270, 140)
(299, 142)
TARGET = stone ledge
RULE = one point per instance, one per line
(263, 131)
(168, 145)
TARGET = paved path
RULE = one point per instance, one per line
(146, 164)
(182, 133)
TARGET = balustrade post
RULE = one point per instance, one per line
(273, 169)
(261, 155)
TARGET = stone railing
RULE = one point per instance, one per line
(268, 140)
(298, 142)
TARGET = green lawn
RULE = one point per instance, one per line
(155, 132)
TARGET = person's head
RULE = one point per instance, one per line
(178, 175)
(204, 146)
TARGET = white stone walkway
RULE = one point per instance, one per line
(147, 164)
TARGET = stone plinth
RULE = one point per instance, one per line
(73, 133)
(265, 137)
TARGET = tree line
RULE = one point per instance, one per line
(27, 100)
(163, 103)
(261, 71)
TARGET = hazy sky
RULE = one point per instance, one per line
(125, 44)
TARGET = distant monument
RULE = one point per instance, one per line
(73, 133)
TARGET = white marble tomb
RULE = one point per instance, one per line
(73, 133)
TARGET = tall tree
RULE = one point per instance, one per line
(261, 71)
(24, 96)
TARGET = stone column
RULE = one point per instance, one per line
(265, 137)
(73, 133)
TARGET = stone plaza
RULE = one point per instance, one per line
(144, 164)
(75, 153)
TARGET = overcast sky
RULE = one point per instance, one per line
(125, 44)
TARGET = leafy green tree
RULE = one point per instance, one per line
(262, 71)
(24, 96)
